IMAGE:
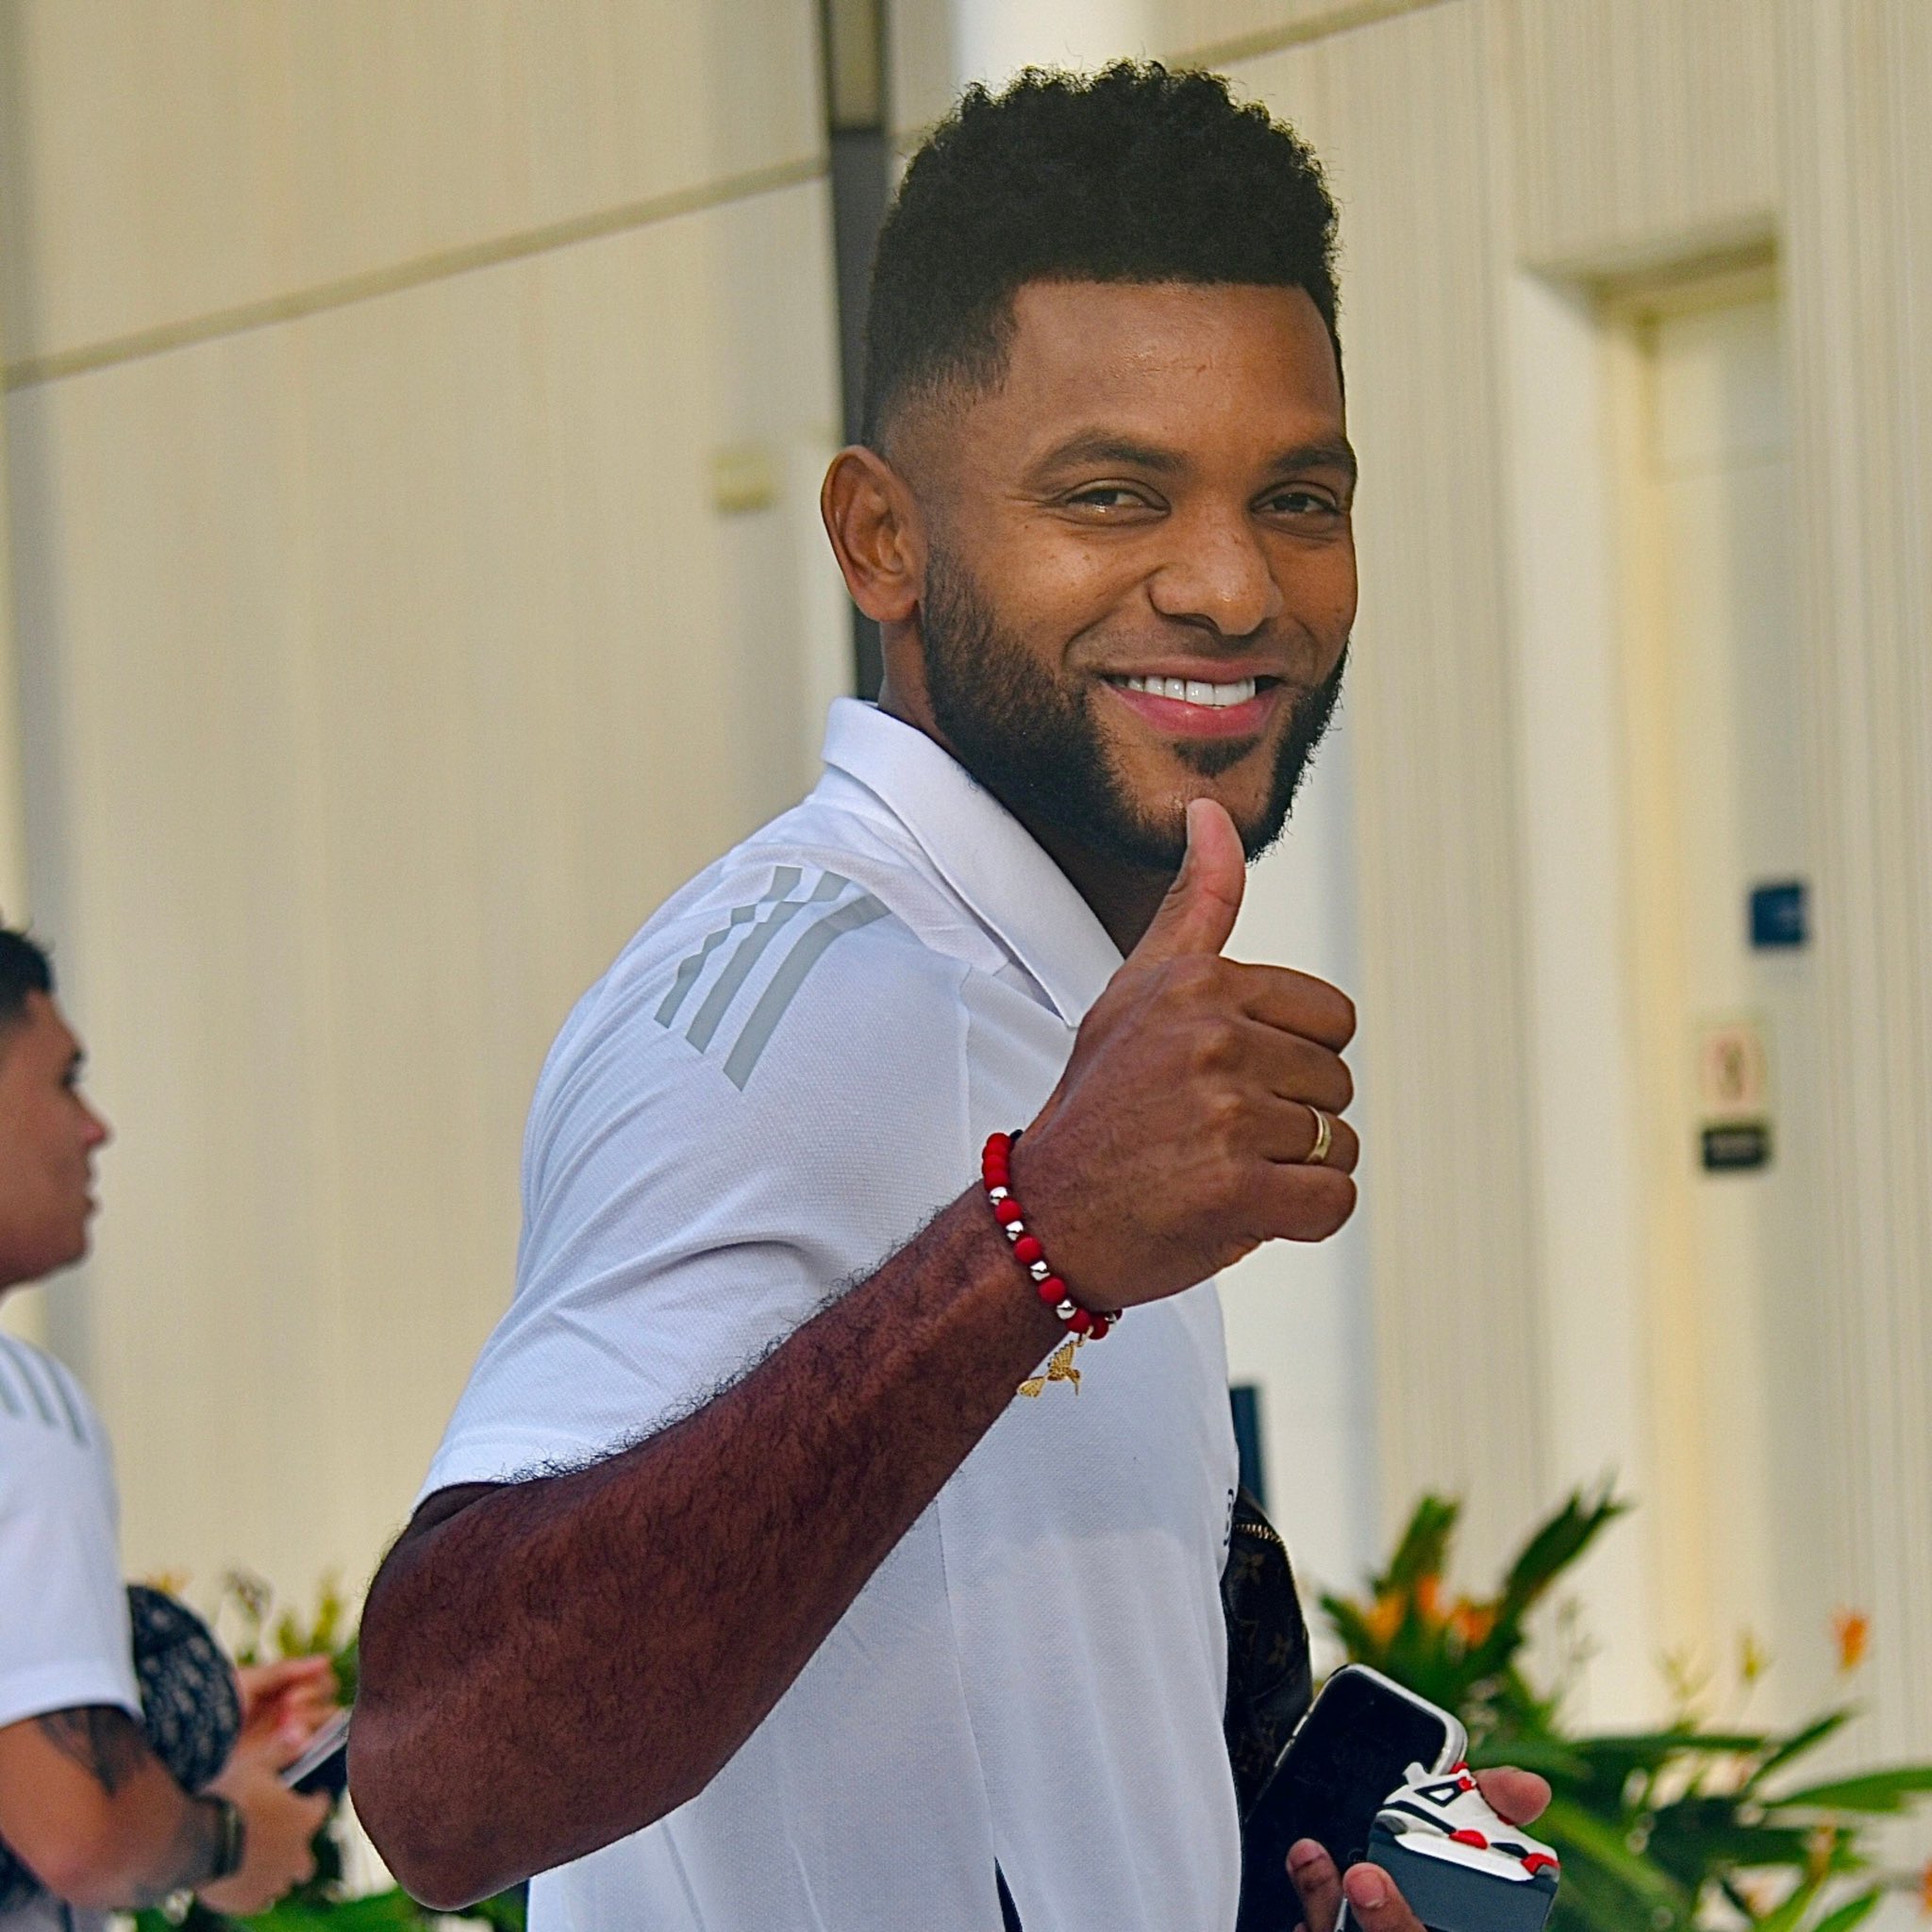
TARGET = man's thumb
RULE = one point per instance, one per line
(1198, 913)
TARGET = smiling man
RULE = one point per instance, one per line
(783, 1564)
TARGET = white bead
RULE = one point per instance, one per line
(995, 1193)
(1065, 1311)
(1014, 1229)
(1038, 1269)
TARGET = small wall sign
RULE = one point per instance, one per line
(1734, 1097)
(1780, 915)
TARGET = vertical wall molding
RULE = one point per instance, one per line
(1858, 172)
(1402, 120)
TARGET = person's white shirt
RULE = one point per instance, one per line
(788, 1071)
(64, 1636)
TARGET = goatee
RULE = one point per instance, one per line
(1034, 745)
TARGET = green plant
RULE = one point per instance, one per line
(256, 1633)
(1684, 1826)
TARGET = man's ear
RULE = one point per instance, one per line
(876, 534)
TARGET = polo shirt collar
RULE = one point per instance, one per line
(981, 851)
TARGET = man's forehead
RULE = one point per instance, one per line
(1209, 360)
(1166, 329)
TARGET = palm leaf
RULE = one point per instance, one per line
(1572, 1828)
(1789, 1915)
(1874, 1790)
(1798, 1743)
(1424, 1547)
(1853, 1912)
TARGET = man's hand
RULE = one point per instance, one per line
(278, 1852)
(1518, 1797)
(285, 1704)
(1178, 1138)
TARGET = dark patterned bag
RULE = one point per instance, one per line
(1270, 1683)
(190, 1707)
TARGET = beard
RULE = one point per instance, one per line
(1033, 742)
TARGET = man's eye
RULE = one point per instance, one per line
(1303, 503)
(1109, 497)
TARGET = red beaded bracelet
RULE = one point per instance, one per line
(996, 1176)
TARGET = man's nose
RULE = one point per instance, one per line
(97, 1132)
(1218, 576)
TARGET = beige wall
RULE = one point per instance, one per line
(1483, 151)
(386, 657)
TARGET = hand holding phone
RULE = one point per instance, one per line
(1376, 1774)
(324, 1765)
(1348, 1753)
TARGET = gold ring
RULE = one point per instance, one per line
(1324, 1139)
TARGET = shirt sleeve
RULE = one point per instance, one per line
(64, 1635)
(683, 1215)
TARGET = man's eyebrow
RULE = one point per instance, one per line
(1331, 452)
(1098, 446)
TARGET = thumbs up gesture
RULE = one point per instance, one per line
(1180, 1136)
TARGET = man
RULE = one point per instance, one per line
(746, 1588)
(85, 1805)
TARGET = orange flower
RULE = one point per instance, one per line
(1818, 1848)
(1471, 1622)
(1926, 1890)
(1428, 1598)
(1852, 1630)
(1385, 1619)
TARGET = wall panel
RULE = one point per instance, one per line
(385, 668)
(1397, 111)
(167, 158)
(1644, 131)
(1858, 161)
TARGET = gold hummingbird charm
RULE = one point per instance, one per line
(1060, 1368)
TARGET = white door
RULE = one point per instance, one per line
(1729, 1082)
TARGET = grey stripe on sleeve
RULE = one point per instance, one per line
(9, 1396)
(750, 950)
(59, 1376)
(790, 976)
(22, 1368)
(785, 878)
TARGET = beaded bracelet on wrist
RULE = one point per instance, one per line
(996, 1176)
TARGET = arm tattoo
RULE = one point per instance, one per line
(190, 1860)
(106, 1743)
(110, 1747)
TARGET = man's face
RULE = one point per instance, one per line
(48, 1134)
(1141, 568)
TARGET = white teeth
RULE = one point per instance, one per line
(1195, 691)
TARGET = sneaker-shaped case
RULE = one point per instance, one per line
(1458, 1865)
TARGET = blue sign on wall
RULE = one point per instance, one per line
(1779, 914)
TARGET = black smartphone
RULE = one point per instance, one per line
(324, 1765)
(1348, 1753)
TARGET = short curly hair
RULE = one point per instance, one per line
(24, 969)
(1131, 174)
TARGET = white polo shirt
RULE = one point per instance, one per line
(783, 1076)
(64, 1636)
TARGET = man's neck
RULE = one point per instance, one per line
(1123, 898)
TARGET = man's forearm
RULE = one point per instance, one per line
(187, 1861)
(565, 1660)
(96, 1814)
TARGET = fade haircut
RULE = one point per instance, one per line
(1131, 174)
(24, 969)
